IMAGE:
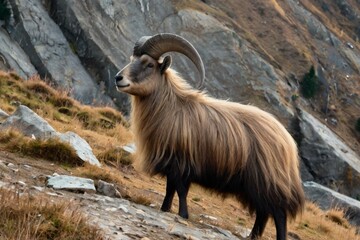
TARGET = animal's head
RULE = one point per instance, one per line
(146, 69)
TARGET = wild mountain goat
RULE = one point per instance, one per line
(189, 137)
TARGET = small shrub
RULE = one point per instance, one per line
(357, 125)
(310, 84)
(4, 11)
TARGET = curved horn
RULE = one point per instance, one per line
(159, 44)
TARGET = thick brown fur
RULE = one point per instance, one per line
(227, 147)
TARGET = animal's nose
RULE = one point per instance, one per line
(118, 78)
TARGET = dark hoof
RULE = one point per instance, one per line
(184, 215)
(165, 209)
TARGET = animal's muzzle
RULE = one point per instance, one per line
(118, 81)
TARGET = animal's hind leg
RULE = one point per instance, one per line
(260, 223)
(170, 192)
(280, 224)
(182, 191)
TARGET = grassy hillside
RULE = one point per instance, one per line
(106, 130)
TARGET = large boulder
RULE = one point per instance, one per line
(328, 159)
(51, 54)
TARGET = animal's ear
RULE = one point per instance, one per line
(165, 64)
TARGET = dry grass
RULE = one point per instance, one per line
(26, 217)
(317, 224)
(51, 149)
(141, 199)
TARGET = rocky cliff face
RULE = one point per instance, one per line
(256, 53)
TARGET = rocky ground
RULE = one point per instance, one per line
(118, 218)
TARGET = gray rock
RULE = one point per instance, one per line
(15, 58)
(330, 161)
(107, 189)
(232, 67)
(82, 148)
(130, 148)
(29, 123)
(71, 183)
(327, 198)
(51, 54)
(100, 44)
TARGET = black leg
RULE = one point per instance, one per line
(259, 226)
(182, 191)
(280, 224)
(170, 192)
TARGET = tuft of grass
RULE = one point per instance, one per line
(141, 199)
(61, 100)
(28, 217)
(113, 115)
(51, 149)
(336, 215)
(116, 156)
(39, 87)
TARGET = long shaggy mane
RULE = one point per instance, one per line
(225, 146)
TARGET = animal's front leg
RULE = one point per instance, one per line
(170, 192)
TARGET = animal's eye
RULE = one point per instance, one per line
(150, 65)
